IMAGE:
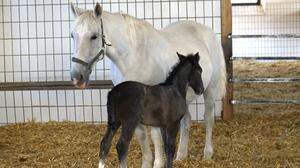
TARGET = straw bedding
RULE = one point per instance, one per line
(258, 136)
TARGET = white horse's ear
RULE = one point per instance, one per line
(76, 11)
(98, 10)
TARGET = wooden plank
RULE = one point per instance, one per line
(226, 31)
(53, 85)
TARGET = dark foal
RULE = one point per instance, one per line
(132, 103)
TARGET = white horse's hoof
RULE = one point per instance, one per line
(147, 161)
(158, 164)
(208, 153)
(181, 156)
(146, 164)
(101, 164)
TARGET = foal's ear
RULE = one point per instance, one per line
(76, 11)
(181, 57)
(197, 57)
(98, 10)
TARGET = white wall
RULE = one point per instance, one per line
(35, 45)
(274, 18)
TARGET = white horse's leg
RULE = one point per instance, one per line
(141, 134)
(209, 117)
(158, 146)
(185, 125)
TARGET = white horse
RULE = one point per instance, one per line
(141, 53)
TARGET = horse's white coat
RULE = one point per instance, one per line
(141, 53)
(101, 164)
(141, 134)
(157, 138)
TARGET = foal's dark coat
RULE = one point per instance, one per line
(132, 103)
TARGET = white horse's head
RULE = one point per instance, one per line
(88, 43)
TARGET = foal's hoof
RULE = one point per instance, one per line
(208, 153)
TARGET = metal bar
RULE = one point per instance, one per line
(265, 58)
(55, 85)
(13, 62)
(80, 122)
(266, 36)
(247, 4)
(265, 80)
(242, 102)
(4, 67)
(93, 3)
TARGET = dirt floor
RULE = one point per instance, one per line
(258, 135)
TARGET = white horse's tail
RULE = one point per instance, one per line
(223, 75)
(219, 77)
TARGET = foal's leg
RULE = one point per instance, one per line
(159, 152)
(141, 134)
(106, 142)
(171, 133)
(124, 141)
(209, 123)
(185, 125)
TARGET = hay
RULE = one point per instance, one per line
(243, 68)
(273, 91)
(258, 136)
(250, 140)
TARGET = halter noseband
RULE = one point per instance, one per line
(96, 58)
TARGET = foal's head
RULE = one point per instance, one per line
(195, 75)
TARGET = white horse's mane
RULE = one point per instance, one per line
(134, 19)
(88, 15)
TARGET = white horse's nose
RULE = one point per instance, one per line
(76, 79)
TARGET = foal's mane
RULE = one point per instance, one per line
(175, 69)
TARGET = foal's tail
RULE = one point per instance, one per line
(111, 110)
(112, 126)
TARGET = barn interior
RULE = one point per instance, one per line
(46, 122)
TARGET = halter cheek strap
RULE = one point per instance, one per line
(97, 57)
(90, 64)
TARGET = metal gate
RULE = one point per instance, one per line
(266, 31)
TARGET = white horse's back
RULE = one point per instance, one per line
(190, 37)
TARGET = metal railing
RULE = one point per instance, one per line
(266, 79)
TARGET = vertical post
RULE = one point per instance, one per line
(226, 30)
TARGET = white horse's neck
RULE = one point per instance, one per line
(136, 46)
(114, 28)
